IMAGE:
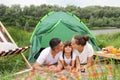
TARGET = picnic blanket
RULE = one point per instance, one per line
(95, 72)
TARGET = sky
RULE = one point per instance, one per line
(63, 3)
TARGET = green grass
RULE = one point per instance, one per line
(108, 40)
(22, 38)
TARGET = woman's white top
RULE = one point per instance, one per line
(47, 58)
(87, 52)
(68, 60)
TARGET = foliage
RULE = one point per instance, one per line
(30, 15)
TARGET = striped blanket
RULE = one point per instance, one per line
(95, 72)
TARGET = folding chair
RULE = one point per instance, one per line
(5, 38)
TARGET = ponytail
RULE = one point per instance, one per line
(86, 38)
(81, 40)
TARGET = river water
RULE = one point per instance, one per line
(105, 31)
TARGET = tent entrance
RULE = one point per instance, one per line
(61, 31)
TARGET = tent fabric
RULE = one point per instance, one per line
(61, 25)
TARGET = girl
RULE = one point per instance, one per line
(84, 51)
(67, 58)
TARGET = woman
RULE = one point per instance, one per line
(67, 58)
(84, 52)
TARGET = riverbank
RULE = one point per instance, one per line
(105, 31)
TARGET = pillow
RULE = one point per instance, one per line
(4, 46)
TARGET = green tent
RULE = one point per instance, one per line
(57, 24)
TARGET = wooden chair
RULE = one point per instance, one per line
(6, 38)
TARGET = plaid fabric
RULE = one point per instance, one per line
(95, 72)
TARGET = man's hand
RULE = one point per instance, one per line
(52, 68)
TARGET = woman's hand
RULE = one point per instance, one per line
(82, 68)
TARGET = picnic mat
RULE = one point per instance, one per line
(95, 72)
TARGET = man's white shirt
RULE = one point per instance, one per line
(47, 58)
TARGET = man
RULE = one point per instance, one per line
(49, 56)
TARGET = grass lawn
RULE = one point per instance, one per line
(22, 39)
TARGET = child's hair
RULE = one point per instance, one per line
(67, 43)
(81, 40)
